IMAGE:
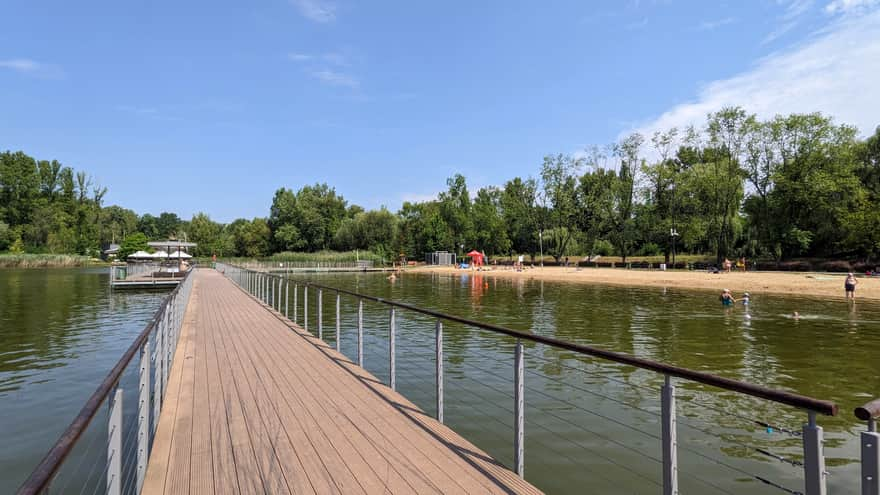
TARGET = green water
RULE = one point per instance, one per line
(590, 426)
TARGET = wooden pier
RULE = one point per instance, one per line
(256, 404)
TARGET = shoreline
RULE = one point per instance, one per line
(823, 285)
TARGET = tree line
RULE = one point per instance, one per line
(796, 185)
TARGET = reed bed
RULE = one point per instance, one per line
(44, 261)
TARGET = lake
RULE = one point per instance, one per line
(588, 423)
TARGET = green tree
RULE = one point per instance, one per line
(456, 210)
(131, 244)
(520, 214)
(490, 231)
(559, 197)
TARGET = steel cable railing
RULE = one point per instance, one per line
(395, 331)
(116, 455)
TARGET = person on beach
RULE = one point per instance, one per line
(727, 265)
(850, 286)
(727, 298)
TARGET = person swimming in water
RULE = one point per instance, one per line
(727, 298)
(746, 298)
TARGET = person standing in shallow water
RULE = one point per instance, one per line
(850, 286)
(727, 298)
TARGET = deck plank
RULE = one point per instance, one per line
(255, 404)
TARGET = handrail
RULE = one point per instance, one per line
(44, 472)
(869, 411)
(827, 408)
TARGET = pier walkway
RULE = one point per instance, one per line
(256, 404)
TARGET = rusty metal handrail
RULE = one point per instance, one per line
(869, 411)
(42, 475)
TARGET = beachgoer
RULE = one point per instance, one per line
(727, 298)
(741, 264)
(746, 298)
(727, 265)
(850, 286)
(392, 277)
(796, 315)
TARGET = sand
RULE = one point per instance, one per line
(800, 284)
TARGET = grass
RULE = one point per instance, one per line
(10, 260)
(320, 257)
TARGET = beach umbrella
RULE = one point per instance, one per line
(179, 254)
(476, 256)
(160, 254)
(139, 255)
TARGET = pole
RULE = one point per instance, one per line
(541, 241)
(519, 406)
(361, 333)
(337, 323)
(438, 338)
(391, 371)
(320, 314)
(668, 438)
(814, 458)
(114, 445)
(143, 438)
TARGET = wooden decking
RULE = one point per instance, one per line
(257, 405)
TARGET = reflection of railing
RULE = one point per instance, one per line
(275, 292)
(114, 455)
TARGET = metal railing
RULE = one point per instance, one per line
(870, 443)
(117, 452)
(275, 291)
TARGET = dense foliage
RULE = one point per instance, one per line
(792, 186)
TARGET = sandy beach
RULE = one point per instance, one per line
(789, 283)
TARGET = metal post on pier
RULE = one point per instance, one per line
(295, 310)
(870, 459)
(814, 457)
(519, 449)
(392, 379)
(337, 323)
(280, 284)
(166, 351)
(361, 333)
(320, 314)
(669, 437)
(114, 445)
(287, 299)
(143, 435)
(306, 307)
(157, 378)
(438, 337)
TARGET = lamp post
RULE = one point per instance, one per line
(673, 233)
(541, 243)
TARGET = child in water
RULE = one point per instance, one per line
(745, 299)
(727, 298)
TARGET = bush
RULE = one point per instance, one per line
(650, 249)
(835, 266)
(794, 266)
(603, 247)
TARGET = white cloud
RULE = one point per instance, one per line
(710, 25)
(316, 10)
(850, 6)
(836, 72)
(334, 78)
(31, 67)
(299, 57)
(794, 10)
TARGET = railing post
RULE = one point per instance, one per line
(361, 333)
(392, 379)
(870, 459)
(160, 358)
(295, 310)
(143, 438)
(287, 299)
(306, 307)
(321, 314)
(669, 437)
(114, 445)
(519, 449)
(814, 457)
(166, 351)
(338, 324)
(438, 337)
(157, 378)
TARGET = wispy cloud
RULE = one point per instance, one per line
(835, 72)
(31, 67)
(331, 58)
(794, 11)
(316, 10)
(335, 78)
(137, 110)
(850, 6)
(715, 24)
(634, 26)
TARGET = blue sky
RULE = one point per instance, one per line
(384, 100)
